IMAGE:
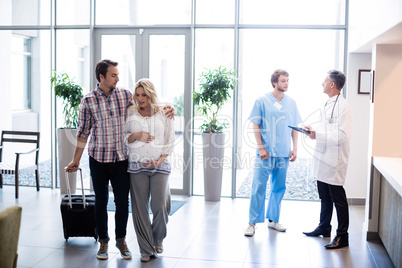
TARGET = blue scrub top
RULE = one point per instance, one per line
(274, 117)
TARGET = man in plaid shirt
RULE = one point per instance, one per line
(102, 116)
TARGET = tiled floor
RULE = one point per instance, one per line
(200, 234)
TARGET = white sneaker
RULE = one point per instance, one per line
(250, 230)
(277, 226)
(145, 257)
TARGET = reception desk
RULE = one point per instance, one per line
(384, 205)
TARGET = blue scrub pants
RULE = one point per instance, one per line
(277, 168)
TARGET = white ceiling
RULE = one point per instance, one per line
(391, 36)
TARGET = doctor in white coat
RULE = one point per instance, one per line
(331, 160)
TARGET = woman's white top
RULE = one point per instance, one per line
(332, 148)
(158, 125)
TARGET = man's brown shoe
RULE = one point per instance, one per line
(122, 246)
(102, 252)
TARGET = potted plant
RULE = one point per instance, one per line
(215, 89)
(71, 93)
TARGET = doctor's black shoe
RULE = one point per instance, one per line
(319, 231)
(339, 241)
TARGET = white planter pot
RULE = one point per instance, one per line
(66, 141)
(213, 153)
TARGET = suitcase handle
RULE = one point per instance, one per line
(69, 191)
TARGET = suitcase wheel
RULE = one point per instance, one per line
(65, 234)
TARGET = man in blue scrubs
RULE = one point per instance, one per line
(271, 116)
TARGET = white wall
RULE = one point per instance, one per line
(370, 18)
(356, 178)
(387, 108)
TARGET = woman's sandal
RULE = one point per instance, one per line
(159, 249)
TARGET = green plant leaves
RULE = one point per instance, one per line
(214, 91)
(71, 93)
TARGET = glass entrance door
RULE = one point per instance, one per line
(164, 57)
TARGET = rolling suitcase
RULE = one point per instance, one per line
(78, 213)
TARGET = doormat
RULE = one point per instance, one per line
(175, 205)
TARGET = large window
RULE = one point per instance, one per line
(252, 37)
(210, 55)
(307, 12)
(76, 12)
(305, 38)
(25, 104)
(25, 12)
(142, 12)
(307, 60)
(215, 12)
(72, 58)
(21, 72)
(161, 56)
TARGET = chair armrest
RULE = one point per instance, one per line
(17, 158)
(34, 150)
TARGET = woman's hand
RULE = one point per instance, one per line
(141, 136)
(154, 163)
(151, 163)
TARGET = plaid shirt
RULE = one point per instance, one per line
(103, 117)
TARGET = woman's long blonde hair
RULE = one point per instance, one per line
(149, 90)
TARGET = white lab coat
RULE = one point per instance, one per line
(333, 142)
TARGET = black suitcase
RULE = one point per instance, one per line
(78, 213)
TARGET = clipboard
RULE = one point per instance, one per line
(302, 130)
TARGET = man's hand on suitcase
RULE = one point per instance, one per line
(72, 167)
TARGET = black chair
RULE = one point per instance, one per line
(21, 137)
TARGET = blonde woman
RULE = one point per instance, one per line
(150, 139)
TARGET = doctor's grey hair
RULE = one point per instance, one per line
(337, 77)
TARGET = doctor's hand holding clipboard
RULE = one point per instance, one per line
(311, 133)
(305, 130)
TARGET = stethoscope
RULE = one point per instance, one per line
(332, 120)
